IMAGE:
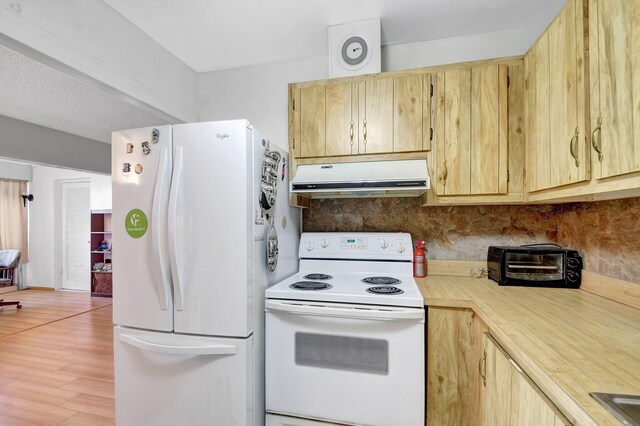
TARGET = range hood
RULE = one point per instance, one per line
(400, 178)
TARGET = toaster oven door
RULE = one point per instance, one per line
(534, 267)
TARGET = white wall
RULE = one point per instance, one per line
(43, 241)
(259, 93)
(458, 49)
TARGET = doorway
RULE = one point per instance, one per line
(75, 225)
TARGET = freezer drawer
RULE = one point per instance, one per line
(174, 379)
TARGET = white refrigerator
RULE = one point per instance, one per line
(201, 227)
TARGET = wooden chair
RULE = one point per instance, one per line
(9, 262)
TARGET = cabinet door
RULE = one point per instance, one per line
(558, 154)
(489, 129)
(566, 131)
(472, 129)
(312, 121)
(536, 64)
(407, 113)
(376, 116)
(453, 143)
(511, 397)
(342, 119)
(499, 375)
(451, 366)
(614, 45)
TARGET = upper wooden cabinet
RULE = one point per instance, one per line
(605, 161)
(341, 119)
(312, 121)
(614, 34)
(360, 116)
(472, 131)
(376, 116)
(555, 104)
(411, 113)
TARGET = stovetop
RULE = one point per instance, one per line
(348, 287)
(356, 268)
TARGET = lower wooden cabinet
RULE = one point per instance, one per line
(511, 398)
(453, 377)
(471, 380)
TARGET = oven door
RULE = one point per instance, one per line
(354, 364)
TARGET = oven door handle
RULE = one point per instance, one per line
(345, 311)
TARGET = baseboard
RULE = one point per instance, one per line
(621, 291)
(35, 287)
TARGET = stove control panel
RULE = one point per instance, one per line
(357, 245)
(354, 243)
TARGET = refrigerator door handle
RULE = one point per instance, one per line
(158, 220)
(173, 223)
(177, 350)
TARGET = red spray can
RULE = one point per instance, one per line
(419, 260)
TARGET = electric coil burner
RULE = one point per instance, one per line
(317, 276)
(310, 285)
(364, 331)
(384, 289)
(381, 281)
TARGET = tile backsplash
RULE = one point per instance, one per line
(606, 232)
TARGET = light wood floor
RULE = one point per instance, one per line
(56, 360)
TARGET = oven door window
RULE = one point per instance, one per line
(342, 353)
(535, 267)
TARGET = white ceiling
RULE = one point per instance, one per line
(34, 92)
(220, 34)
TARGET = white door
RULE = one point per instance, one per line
(175, 379)
(141, 173)
(211, 228)
(75, 229)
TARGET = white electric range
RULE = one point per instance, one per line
(345, 335)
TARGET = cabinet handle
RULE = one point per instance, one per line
(597, 146)
(445, 172)
(482, 368)
(351, 134)
(364, 130)
(573, 146)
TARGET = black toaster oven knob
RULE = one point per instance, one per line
(572, 262)
(572, 277)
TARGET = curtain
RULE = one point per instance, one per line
(13, 217)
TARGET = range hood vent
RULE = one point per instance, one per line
(401, 178)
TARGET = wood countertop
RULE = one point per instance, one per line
(570, 342)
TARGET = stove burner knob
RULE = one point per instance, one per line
(400, 248)
(384, 243)
(324, 243)
(309, 246)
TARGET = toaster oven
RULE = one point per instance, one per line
(535, 266)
